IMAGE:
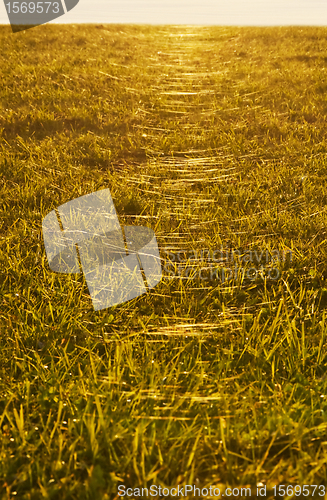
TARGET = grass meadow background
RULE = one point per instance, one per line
(211, 137)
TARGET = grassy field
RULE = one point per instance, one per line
(212, 137)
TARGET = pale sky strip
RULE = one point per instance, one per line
(198, 12)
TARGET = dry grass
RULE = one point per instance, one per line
(210, 136)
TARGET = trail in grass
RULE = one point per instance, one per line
(183, 108)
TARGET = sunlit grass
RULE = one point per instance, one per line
(215, 139)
